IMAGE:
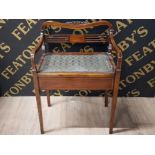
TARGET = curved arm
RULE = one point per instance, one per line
(76, 26)
(34, 51)
(118, 51)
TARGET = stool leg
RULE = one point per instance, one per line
(114, 101)
(48, 98)
(106, 98)
(113, 109)
(38, 99)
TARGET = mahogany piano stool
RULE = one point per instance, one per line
(77, 70)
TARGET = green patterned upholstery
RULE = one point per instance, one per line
(76, 63)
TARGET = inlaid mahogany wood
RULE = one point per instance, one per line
(73, 80)
(76, 38)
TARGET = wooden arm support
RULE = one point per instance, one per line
(34, 51)
(118, 51)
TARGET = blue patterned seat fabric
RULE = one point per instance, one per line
(77, 63)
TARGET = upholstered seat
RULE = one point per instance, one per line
(77, 63)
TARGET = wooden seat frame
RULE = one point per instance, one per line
(77, 81)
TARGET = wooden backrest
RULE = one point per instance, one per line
(76, 38)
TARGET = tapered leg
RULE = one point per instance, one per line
(38, 99)
(106, 98)
(113, 109)
(114, 101)
(48, 98)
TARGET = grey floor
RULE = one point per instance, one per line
(76, 115)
